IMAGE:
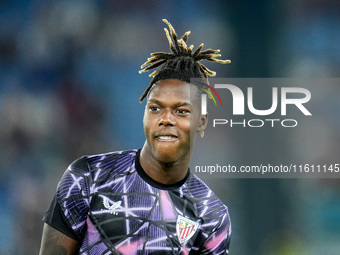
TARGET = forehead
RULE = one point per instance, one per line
(174, 89)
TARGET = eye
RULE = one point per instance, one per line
(183, 111)
(154, 109)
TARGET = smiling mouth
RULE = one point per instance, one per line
(167, 138)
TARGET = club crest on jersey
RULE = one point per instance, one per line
(185, 228)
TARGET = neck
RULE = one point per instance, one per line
(163, 172)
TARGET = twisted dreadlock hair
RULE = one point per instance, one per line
(182, 63)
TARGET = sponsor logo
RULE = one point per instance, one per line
(110, 206)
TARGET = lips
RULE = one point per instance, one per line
(166, 137)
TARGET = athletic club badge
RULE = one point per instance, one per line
(185, 228)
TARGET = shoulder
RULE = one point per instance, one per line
(116, 160)
(207, 202)
(106, 160)
(198, 188)
(97, 168)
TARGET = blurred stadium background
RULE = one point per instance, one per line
(69, 86)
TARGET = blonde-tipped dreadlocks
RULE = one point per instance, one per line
(181, 63)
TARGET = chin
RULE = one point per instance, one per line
(165, 157)
(169, 155)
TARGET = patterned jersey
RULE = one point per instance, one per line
(112, 206)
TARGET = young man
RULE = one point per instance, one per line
(145, 201)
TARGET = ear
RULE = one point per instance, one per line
(203, 122)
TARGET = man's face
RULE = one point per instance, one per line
(171, 112)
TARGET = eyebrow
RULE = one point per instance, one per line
(152, 100)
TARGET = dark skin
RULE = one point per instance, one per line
(171, 120)
(56, 243)
(172, 112)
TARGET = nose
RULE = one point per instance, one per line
(167, 118)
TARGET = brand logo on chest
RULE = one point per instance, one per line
(110, 206)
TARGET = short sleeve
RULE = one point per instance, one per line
(219, 240)
(71, 200)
